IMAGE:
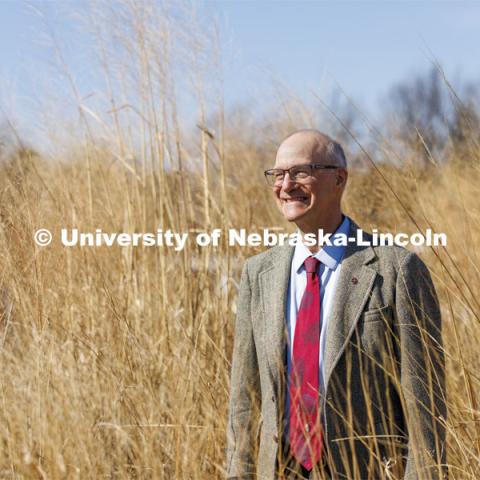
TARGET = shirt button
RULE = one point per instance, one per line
(307, 427)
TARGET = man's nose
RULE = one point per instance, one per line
(287, 183)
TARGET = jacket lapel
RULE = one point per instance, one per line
(352, 291)
(274, 290)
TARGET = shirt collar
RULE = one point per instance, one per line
(329, 255)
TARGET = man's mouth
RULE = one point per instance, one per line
(295, 199)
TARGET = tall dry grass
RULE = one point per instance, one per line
(114, 362)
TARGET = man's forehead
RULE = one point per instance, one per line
(298, 153)
(291, 150)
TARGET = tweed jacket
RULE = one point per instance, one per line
(384, 406)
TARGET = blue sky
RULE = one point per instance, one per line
(364, 46)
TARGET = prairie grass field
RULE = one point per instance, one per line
(115, 361)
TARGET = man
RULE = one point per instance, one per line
(338, 367)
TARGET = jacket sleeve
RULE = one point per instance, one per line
(244, 390)
(422, 366)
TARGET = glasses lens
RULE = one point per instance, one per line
(300, 173)
(274, 177)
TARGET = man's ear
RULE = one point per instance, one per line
(341, 178)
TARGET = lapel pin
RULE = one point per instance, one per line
(354, 280)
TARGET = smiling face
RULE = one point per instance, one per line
(313, 203)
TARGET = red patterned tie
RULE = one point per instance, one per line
(305, 426)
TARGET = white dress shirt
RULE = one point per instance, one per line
(330, 257)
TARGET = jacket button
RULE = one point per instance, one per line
(273, 398)
(275, 439)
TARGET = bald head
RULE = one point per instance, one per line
(317, 146)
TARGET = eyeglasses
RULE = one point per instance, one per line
(298, 173)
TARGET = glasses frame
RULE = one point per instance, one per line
(313, 166)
